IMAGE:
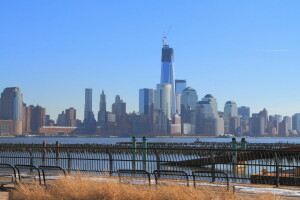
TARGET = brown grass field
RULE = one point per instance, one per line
(80, 189)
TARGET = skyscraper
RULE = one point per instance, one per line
(244, 112)
(11, 107)
(88, 106)
(146, 100)
(38, 118)
(189, 98)
(180, 85)
(230, 110)
(102, 102)
(71, 117)
(163, 99)
(296, 122)
(102, 114)
(208, 121)
(119, 107)
(167, 72)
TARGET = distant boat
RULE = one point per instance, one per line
(225, 136)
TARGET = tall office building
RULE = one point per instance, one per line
(61, 119)
(88, 106)
(102, 114)
(278, 118)
(208, 122)
(163, 99)
(230, 110)
(38, 118)
(167, 72)
(296, 122)
(180, 85)
(146, 100)
(244, 112)
(257, 123)
(119, 107)
(288, 121)
(102, 104)
(11, 108)
(189, 99)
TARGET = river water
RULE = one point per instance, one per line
(79, 140)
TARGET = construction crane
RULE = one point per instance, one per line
(164, 38)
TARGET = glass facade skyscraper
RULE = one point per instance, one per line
(180, 85)
(146, 99)
(11, 107)
(88, 106)
(167, 72)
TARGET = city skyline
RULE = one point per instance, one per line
(253, 65)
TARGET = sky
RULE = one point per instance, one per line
(245, 51)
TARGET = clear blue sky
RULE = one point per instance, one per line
(246, 51)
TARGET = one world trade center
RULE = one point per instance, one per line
(167, 72)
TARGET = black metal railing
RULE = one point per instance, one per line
(277, 167)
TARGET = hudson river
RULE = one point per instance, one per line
(65, 140)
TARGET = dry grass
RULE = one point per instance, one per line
(79, 188)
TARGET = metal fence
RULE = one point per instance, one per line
(276, 167)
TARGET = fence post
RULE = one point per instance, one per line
(57, 153)
(243, 144)
(133, 153)
(234, 156)
(157, 160)
(213, 167)
(69, 162)
(30, 159)
(144, 153)
(277, 170)
(110, 162)
(44, 152)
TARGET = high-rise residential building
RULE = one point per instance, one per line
(230, 110)
(88, 106)
(119, 107)
(167, 72)
(146, 99)
(189, 99)
(38, 118)
(162, 99)
(71, 117)
(296, 122)
(180, 85)
(102, 114)
(11, 108)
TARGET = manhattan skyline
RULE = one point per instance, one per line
(53, 56)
